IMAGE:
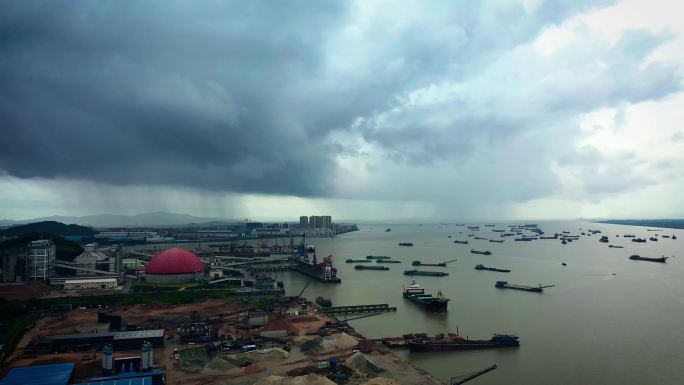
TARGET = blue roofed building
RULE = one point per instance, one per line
(122, 381)
(53, 374)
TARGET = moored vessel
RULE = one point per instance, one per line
(308, 264)
(358, 261)
(534, 289)
(635, 257)
(453, 342)
(416, 293)
(487, 252)
(371, 267)
(426, 273)
(323, 302)
(483, 267)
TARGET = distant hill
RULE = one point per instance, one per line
(666, 223)
(160, 218)
(49, 227)
(65, 249)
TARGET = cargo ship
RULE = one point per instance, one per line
(387, 261)
(358, 261)
(426, 273)
(615, 247)
(308, 264)
(419, 263)
(497, 241)
(370, 267)
(405, 244)
(635, 257)
(377, 257)
(638, 240)
(414, 292)
(323, 302)
(454, 342)
(533, 289)
(483, 267)
(461, 242)
(487, 252)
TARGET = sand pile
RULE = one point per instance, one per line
(280, 324)
(258, 355)
(309, 379)
(361, 363)
(219, 364)
(321, 345)
(254, 368)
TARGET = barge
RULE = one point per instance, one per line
(487, 252)
(387, 261)
(415, 293)
(440, 264)
(461, 242)
(533, 289)
(405, 244)
(635, 257)
(377, 257)
(483, 267)
(426, 273)
(370, 267)
(453, 342)
(358, 261)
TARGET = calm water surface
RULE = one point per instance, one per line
(592, 328)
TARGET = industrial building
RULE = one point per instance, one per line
(174, 265)
(54, 374)
(91, 284)
(40, 259)
(89, 341)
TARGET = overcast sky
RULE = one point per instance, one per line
(454, 110)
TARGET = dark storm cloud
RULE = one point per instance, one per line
(152, 93)
(242, 96)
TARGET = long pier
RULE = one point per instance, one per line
(378, 308)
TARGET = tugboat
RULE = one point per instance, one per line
(453, 342)
(416, 293)
(653, 239)
(308, 264)
(387, 230)
(323, 302)
(639, 240)
(604, 239)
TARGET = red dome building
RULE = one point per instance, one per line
(174, 265)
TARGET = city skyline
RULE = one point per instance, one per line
(499, 111)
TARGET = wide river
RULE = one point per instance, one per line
(608, 320)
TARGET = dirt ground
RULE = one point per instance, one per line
(168, 317)
(33, 289)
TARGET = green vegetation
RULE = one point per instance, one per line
(14, 321)
(666, 223)
(49, 227)
(193, 354)
(66, 249)
(173, 297)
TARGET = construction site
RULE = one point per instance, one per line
(278, 340)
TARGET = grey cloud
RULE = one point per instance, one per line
(241, 96)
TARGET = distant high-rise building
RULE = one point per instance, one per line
(326, 222)
(316, 222)
(40, 258)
